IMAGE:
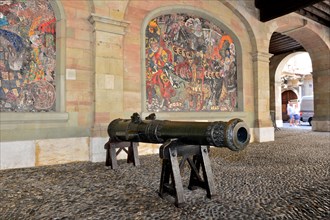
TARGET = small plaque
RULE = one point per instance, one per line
(109, 81)
(71, 74)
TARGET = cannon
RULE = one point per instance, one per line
(233, 134)
(187, 140)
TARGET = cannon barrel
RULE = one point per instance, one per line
(233, 134)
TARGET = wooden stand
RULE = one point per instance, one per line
(111, 154)
(197, 157)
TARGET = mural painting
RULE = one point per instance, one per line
(190, 65)
(27, 56)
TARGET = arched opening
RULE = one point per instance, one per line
(296, 80)
(293, 80)
(297, 74)
(287, 96)
(317, 47)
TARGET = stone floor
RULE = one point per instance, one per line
(285, 179)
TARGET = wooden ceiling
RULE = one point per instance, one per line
(280, 43)
(317, 10)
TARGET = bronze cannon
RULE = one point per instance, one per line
(233, 134)
(185, 140)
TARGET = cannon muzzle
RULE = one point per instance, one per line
(233, 134)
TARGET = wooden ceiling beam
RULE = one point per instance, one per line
(318, 12)
(287, 50)
(318, 16)
(280, 43)
(270, 9)
(323, 6)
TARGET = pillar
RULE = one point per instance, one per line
(321, 119)
(263, 126)
(108, 35)
(108, 61)
(278, 102)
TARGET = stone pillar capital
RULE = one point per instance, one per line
(261, 56)
(107, 24)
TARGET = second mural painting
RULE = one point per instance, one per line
(190, 65)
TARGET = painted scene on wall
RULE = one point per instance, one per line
(27, 56)
(190, 65)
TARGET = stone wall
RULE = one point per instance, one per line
(100, 76)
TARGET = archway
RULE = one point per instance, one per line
(316, 44)
(290, 74)
(287, 96)
(318, 49)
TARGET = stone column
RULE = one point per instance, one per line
(109, 70)
(278, 102)
(321, 119)
(263, 126)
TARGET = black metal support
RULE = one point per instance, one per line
(111, 154)
(273, 118)
(197, 157)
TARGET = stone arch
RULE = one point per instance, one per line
(286, 96)
(202, 14)
(320, 56)
(276, 71)
(247, 24)
(281, 65)
(60, 54)
(292, 90)
(133, 41)
(260, 63)
(315, 39)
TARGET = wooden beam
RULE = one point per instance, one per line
(271, 9)
(318, 16)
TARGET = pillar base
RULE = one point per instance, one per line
(279, 123)
(320, 125)
(264, 134)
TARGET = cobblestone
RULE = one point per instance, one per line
(284, 179)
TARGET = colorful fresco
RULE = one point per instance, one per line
(190, 65)
(27, 56)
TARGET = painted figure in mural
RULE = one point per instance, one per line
(160, 61)
(13, 54)
(3, 20)
(196, 36)
(153, 30)
(15, 48)
(27, 56)
(200, 70)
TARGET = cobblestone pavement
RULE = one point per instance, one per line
(284, 179)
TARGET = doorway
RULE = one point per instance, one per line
(286, 97)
